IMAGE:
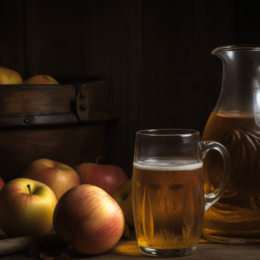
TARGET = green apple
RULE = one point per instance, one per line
(26, 207)
(123, 196)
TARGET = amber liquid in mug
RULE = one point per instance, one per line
(168, 197)
(238, 211)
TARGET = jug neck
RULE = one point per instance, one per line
(240, 92)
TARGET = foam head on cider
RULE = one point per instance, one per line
(168, 165)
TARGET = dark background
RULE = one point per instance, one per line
(157, 53)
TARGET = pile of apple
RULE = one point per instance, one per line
(8, 76)
(88, 206)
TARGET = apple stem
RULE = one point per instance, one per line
(99, 157)
(29, 188)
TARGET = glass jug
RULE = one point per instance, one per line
(235, 123)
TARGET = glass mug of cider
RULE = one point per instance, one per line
(168, 190)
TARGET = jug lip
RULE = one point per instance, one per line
(240, 47)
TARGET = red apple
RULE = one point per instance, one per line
(26, 208)
(2, 183)
(58, 176)
(107, 177)
(40, 80)
(89, 219)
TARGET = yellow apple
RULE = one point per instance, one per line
(26, 208)
(58, 176)
(89, 219)
(123, 196)
(8, 76)
(40, 80)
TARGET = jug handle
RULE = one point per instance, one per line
(211, 198)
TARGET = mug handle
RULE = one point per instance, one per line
(214, 196)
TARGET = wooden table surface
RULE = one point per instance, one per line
(127, 249)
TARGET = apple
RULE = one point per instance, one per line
(58, 176)
(2, 183)
(26, 207)
(89, 219)
(123, 196)
(8, 76)
(40, 80)
(106, 177)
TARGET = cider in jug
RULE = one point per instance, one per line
(235, 123)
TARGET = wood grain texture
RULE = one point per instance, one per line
(53, 37)
(181, 80)
(128, 250)
(67, 144)
(10, 246)
(157, 54)
(12, 35)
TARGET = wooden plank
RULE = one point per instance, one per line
(50, 142)
(9, 246)
(128, 249)
(12, 35)
(41, 99)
